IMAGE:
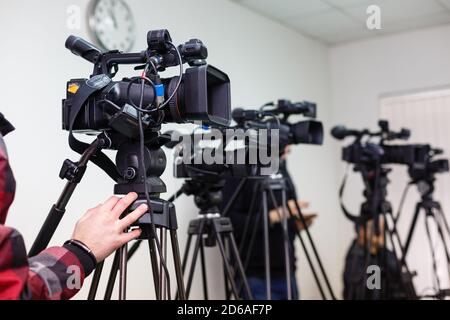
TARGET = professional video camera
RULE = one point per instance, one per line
(129, 113)
(370, 159)
(237, 148)
(366, 152)
(428, 169)
(126, 116)
(201, 93)
(418, 157)
(276, 115)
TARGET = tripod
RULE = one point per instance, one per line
(161, 216)
(432, 210)
(373, 208)
(211, 229)
(264, 191)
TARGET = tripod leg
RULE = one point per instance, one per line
(186, 252)
(433, 253)
(162, 279)
(316, 253)
(444, 220)
(363, 293)
(95, 281)
(226, 284)
(115, 268)
(407, 284)
(385, 280)
(250, 249)
(411, 230)
(154, 263)
(251, 242)
(123, 272)
(184, 265)
(265, 217)
(224, 214)
(286, 246)
(181, 293)
(134, 248)
(226, 262)
(248, 220)
(112, 276)
(393, 232)
(348, 283)
(308, 258)
(225, 281)
(194, 257)
(233, 197)
(203, 267)
(440, 220)
(253, 234)
(241, 272)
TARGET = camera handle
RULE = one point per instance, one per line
(73, 172)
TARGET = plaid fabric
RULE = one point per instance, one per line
(56, 273)
(7, 182)
(48, 275)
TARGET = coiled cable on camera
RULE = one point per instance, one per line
(140, 112)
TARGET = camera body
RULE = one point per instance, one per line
(420, 158)
(199, 155)
(428, 171)
(202, 93)
(414, 155)
(276, 115)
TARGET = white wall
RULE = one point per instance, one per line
(363, 71)
(264, 60)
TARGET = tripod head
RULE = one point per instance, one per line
(131, 167)
(375, 180)
(142, 175)
(370, 157)
(207, 192)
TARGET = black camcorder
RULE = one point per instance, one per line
(428, 169)
(186, 165)
(418, 157)
(275, 116)
(239, 147)
(201, 93)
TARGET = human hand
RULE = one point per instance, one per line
(276, 214)
(367, 235)
(101, 228)
(309, 219)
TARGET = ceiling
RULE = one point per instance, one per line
(338, 21)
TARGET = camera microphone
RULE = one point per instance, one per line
(82, 48)
(341, 132)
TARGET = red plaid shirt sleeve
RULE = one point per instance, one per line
(56, 273)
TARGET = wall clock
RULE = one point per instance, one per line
(111, 24)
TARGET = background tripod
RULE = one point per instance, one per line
(264, 191)
(161, 216)
(211, 229)
(377, 209)
(432, 210)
